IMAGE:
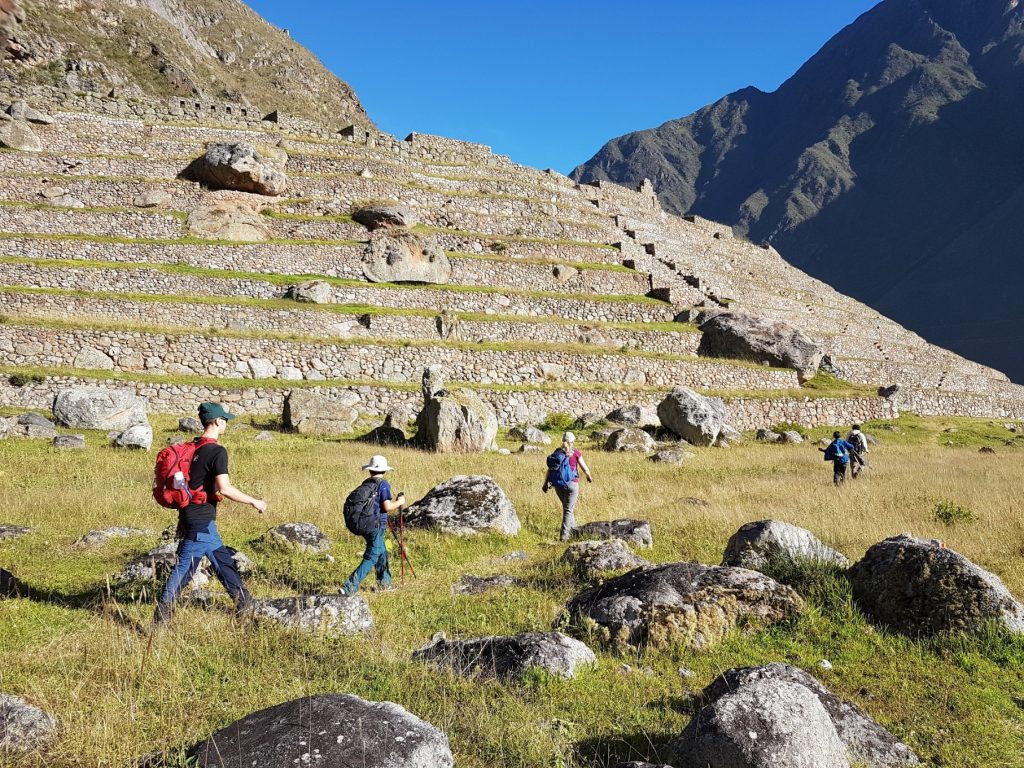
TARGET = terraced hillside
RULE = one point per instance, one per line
(561, 297)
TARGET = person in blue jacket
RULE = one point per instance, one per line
(838, 452)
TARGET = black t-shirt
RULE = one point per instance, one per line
(209, 461)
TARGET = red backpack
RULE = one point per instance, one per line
(171, 477)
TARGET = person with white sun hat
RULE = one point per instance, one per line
(366, 514)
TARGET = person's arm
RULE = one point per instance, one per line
(394, 505)
(228, 491)
(586, 470)
(546, 485)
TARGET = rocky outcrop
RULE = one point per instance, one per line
(10, 532)
(634, 531)
(400, 256)
(238, 167)
(508, 657)
(328, 730)
(98, 408)
(745, 724)
(386, 216)
(310, 413)
(766, 543)
(311, 292)
(630, 440)
(191, 425)
(477, 585)
(30, 425)
(635, 416)
(230, 222)
(742, 336)
(24, 728)
(919, 587)
(465, 505)
(695, 418)
(336, 615)
(592, 559)
(18, 134)
(457, 422)
(298, 537)
(682, 603)
(95, 539)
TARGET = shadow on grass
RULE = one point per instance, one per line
(611, 751)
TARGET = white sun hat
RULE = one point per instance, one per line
(569, 437)
(377, 464)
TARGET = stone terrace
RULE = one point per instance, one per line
(562, 297)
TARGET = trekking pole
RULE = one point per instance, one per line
(401, 540)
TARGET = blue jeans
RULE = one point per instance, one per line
(375, 557)
(191, 552)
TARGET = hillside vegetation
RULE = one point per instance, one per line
(74, 646)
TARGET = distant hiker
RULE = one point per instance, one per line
(859, 441)
(203, 481)
(366, 515)
(838, 452)
(563, 474)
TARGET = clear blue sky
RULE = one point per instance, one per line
(550, 82)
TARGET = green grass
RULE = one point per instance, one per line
(954, 699)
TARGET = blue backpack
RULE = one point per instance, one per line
(560, 472)
(835, 453)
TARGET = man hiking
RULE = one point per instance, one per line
(838, 452)
(563, 474)
(859, 441)
(366, 514)
(208, 482)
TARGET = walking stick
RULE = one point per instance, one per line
(403, 553)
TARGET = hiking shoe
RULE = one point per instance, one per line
(389, 587)
(346, 590)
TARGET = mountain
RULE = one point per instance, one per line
(216, 50)
(890, 165)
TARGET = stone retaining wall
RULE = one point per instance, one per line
(53, 221)
(240, 357)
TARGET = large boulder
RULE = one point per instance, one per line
(465, 505)
(764, 544)
(591, 559)
(920, 587)
(329, 730)
(629, 440)
(635, 416)
(24, 728)
(742, 336)
(400, 256)
(18, 134)
(310, 413)
(231, 222)
(311, 292)
(459, 421)
(386, 216)
(98, 408)
(865, 742)
(239, 167)
(695, 418)
(138, 437)
(335, 615)
(688, 604)
(508, 657)
(298, 537)
(634, 531)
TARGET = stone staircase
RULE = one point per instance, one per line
(562, 297)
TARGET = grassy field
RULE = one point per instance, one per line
(74, 650)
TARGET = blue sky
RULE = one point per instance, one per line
(550, 82)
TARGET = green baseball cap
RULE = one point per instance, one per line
(211, 411)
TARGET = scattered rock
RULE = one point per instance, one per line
(590, 559)
(152, 198)
(630, 439)
(138, 437)
(530, 449)
(695, 418)
(728, 437)
(191, 425)
(920, 588)
(264, 436)
(399, 256)
(667, 457)
(683, 603)
(30, 425)
(986, 449)
(24, 728)
(693, 501)
(311, 292)
(587, 420)
(98, 408)
(67, 201)
(10, 532)
(635, 531)
(9, 584)
(98, 538)
(230, 222)
(530, 435)
(742, 336)
(767, 436)
(239, 167)
(765, 544)
(825, 664)
(516, 556)
(90, 358)
(791, 437)
(465, 505)
(156, 565)
(330, 730)
(298, 537)
(385, 216)
(477, 585)
(20, 110)
(864, 741)
(510, 657)
(385, 434)
(310, 413)
(17, 134)
(51, 192)
(635, 416)
(336, 615)
(457, 422)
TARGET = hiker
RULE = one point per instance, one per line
(859, 441)
(366, 514)
(563, 474)
(208, 482)
(838, 452)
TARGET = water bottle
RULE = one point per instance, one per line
(179, 481)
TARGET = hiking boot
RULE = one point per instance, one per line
(386, 587)
(347, 590)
